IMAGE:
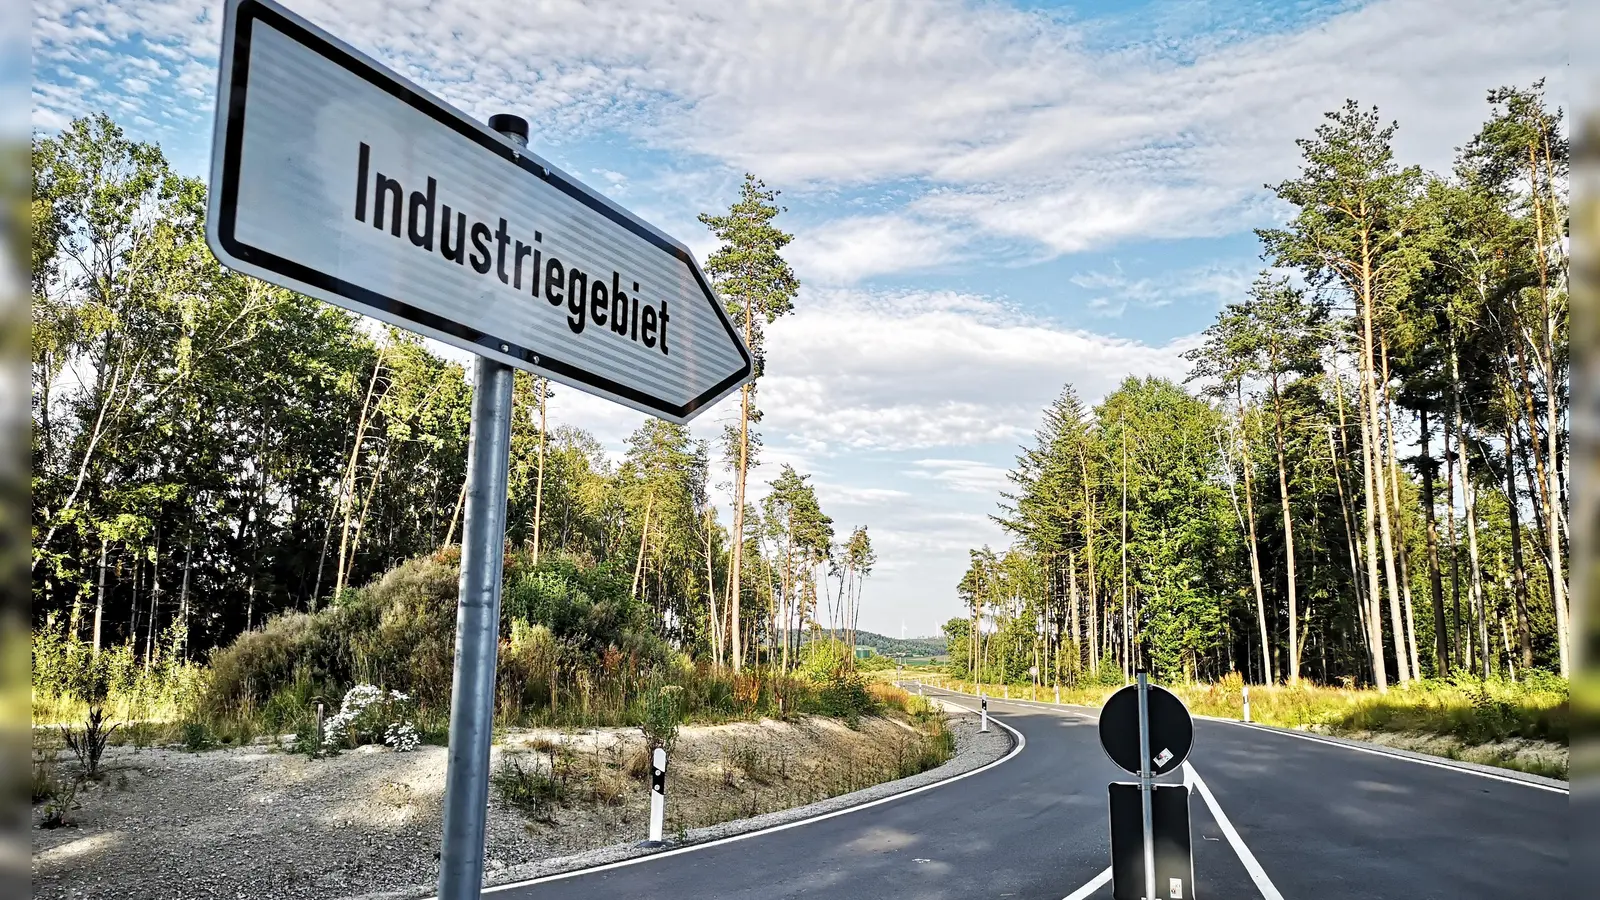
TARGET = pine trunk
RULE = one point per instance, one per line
(1288, 536)
(1519, 573)
(1470, 497)
(1441, 645)
(100, 595)
(1373, 497)
(538, 488)
(1268, 674)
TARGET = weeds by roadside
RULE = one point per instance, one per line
(1461, 717)
(89, 744)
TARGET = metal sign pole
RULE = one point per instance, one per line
(1146, 788)
(466, 792)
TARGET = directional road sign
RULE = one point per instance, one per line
(338, 178)
(1171, 730)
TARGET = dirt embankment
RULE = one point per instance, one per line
(256, 821)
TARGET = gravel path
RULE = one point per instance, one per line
(255, 822)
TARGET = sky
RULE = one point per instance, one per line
(989, 200)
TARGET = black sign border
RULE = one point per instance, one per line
(1133, 690)
(250, 11)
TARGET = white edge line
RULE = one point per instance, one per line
(1257, 874)
(1375, 751)
(1021, 743)
(1095, 884)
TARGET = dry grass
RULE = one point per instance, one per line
(721, 772)
(1518, 725)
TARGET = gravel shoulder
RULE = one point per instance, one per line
(256, 821)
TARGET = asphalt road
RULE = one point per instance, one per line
(1319, 821)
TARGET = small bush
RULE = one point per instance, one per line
(371, 715)
(196, 736)
(59, 806)
(661, 714)
(520, 783)
(934, 750)
(88, 745)
(45, 785)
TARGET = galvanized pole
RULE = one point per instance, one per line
(1146, 788)
(466, 792)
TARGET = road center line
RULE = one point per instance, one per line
(1257, 874)
(1095, 884)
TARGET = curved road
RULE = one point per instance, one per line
(1319, 820)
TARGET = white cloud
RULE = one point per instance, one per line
(1114, 289)
(997, 119)
(964, 475)
(850, 249)
(857, 370)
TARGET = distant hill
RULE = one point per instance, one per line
(888, 646)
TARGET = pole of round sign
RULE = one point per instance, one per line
(466, 792)
(1146, 787)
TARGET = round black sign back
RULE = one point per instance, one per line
(1171, 729)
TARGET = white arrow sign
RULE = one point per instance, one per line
(337, 178)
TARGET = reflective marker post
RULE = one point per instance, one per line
(1146, 787)
(985, 704)
(1247, 703)
(658, 798)
(466, 791)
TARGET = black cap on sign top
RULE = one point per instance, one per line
(1171, 729)
(506, 123)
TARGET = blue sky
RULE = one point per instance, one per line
(990, 200)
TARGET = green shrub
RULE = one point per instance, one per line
(69, 678)
(371, 715)
(89, 743)
(522, 785)
(661, 712)
(45, 785)
(196, 736)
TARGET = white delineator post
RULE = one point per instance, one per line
(984, 704)
(658, 796)
(1058, 695)
(1247, 703)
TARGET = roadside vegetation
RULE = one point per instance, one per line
(219, 466)
(1523, 725)
(575, 651)
(1356, 500)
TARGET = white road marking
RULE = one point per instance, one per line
(1095, 884)
(1021, 743)
(1375, 751)
(1257, 874)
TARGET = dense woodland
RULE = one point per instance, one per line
(1364, 478)
(209, 451)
